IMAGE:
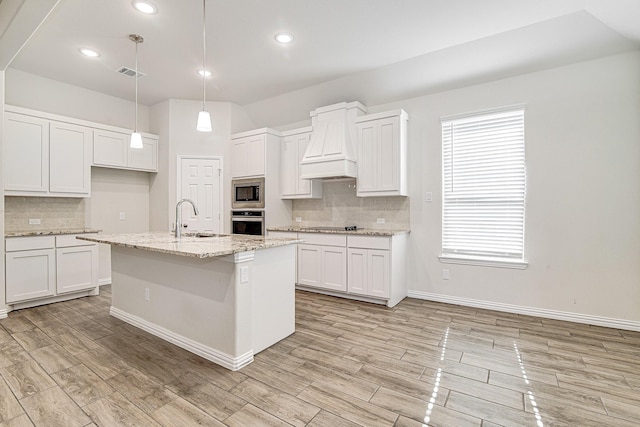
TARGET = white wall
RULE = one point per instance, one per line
(583, 192)
(43, 94)
(175, 121)
(114, 191)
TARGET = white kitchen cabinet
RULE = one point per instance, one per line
(111, 149)
(76, 264)
(252, 150)
(46, 158)
(368, 272)
(294, 145)
(382, 154)
(30, 268)
(322, 261)
(41, 268)
(69, 159)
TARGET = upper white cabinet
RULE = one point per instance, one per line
(111, 149)
(44, 157)
(294, 145)
(249, 152)
(382, 154)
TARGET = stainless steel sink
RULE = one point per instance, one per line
(204, 234)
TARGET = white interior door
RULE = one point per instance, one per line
(200, 179)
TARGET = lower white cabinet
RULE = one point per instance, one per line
(47, 266)
(322, 262)
(368, 272)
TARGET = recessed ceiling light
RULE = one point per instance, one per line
(205, 73)
(284, 38)
(145, 7)
(89, 52)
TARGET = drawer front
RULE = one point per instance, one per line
(13, 244)
(324, 239)
(369, 242)
(69, 240)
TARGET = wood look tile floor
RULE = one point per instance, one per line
(348, 364)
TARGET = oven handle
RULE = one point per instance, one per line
(246, 219)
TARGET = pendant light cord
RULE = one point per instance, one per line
(136, 78)
(204, 52)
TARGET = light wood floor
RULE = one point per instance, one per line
(348, 364)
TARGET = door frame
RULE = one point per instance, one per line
(180, 157)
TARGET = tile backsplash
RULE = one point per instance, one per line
(339, 206)
(54, 213)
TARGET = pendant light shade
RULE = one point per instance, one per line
(204, 118)
(136, 138)
(204, 121)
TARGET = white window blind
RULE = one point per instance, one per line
(484, 185)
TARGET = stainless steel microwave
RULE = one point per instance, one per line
(247, 193)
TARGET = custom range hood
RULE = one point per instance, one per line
(331, 153)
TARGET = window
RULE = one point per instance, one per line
(484, 187)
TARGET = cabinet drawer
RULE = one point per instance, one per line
(69, 240)
(324, 239)
(13, 244)
(369, 242)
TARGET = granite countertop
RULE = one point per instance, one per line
(189, 245)
(59, 232)
(359, 231)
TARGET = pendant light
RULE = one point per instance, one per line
(136, 138)
(204, 118)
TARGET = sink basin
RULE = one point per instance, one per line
(204, 234)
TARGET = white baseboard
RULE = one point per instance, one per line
(222, 359)
(531, 311)
(3, 313)
(102, 282)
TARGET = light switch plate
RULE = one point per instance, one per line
(121, 216)
(34, 221)
(428, 196)
(298, 219)
(244, 274)
(380, 221)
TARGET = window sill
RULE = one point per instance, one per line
(483, 262)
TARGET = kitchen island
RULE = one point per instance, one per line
(223, 297)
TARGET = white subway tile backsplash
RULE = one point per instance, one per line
(54, 213)
(339, 206)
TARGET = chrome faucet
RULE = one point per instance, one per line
(179, 215)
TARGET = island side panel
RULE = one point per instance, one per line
(273, 277)
(191, 298)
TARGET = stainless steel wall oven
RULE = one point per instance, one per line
(247, 222)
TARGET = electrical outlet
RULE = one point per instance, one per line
(121, 216)
(244, 274)
(428, 196)
(445, 274)
(147, 294)
(34, 221)
(380, 221)
(298, 219)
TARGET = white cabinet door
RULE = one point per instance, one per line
(288, 167)
(69, 159)
(77, 268)
(26, 154)
(30, 274)
(248, 156)
(334, 268)
(357, 271)
(110, 148)
(310, 265)
(378, 267)
(381, 147)
(145, 158)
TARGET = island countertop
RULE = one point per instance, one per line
(190, 245)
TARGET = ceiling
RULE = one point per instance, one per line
(370, 50)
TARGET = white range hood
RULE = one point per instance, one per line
(331, 153)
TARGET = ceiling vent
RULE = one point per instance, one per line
(126, 71)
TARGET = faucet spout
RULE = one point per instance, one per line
(178, 231)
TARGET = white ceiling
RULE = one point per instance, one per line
(371, 50)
